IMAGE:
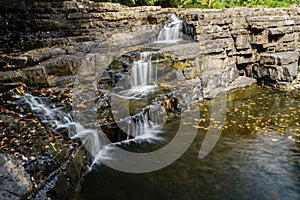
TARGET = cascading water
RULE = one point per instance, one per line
(143, 72)
(54, 117)
(146, 124)
(143, 76)
(58, 119)
(171, 32)
(143, 126)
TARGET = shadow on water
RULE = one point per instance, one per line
(257, 156)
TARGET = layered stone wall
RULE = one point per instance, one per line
(239, 39)
(45, 43)
(249, 38)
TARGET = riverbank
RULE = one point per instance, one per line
(36, 161)
(68, 41)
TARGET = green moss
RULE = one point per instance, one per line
(32, 82)
(284, 49)
(180, 64)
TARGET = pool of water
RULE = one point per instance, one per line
(256, 157)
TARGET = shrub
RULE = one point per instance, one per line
(205, 3)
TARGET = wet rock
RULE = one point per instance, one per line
(14, 180)
(39, 152)
(62, 183)
(5, 87)
(49, 47)
(170, 103)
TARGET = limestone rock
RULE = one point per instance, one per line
(241, 82)
(279, 58)
(15, 182)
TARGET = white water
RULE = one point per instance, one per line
(171, 32)
(146, 124)
(143, 72)
(59, 119)
(144, 127)
(56, 117)
(143, 77)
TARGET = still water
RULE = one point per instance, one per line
(256, 157)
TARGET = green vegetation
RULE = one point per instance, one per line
(236, 3)
(206, 3)
(32, 82)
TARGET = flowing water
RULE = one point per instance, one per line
(256, 157)
(60, 120)
(171, 32)
(144, 74)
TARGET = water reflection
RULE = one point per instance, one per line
(257, 156)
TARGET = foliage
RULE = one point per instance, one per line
(205, 3)
(32, 82)
(131, 2)
(236, 3)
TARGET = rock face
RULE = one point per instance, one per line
(37, 162)
(278, 67)
(14, 180)
(49, 43)
(260, 43)
(231, 42)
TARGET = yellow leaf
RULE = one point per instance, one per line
(81, 106)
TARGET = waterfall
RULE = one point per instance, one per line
(171, 32)
(143, 77)
(143, 72)
(54, 117)
(145, 125)
(58, 119)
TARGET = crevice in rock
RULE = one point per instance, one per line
(275, 38)
(259, 47)
(189, 30)
(256, 31)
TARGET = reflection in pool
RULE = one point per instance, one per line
(256, 157)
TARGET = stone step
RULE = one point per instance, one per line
(280, 59)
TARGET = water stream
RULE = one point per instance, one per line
(143, 75)
(59, 120)
(257, 156)
(143, 72)
(171, 33)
